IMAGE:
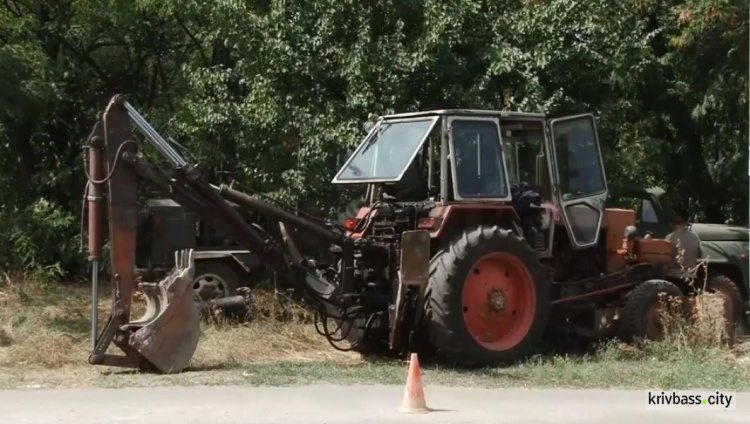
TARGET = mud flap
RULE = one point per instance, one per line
(170, 328)
(414, 272)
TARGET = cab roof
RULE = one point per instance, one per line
(465, 112)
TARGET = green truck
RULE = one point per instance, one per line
(725, 247)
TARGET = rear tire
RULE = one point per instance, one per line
(641, 317)
(487, 300)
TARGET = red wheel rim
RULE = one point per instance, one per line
(499, 301)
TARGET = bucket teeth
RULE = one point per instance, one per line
(170, 330)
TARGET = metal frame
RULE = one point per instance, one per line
(465, 112)
(444, 152)
(456, 195)
(542, 121)
(595, 200)
(433, 119)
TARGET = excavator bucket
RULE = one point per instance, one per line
(170, 327)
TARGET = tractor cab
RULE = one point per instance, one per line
(548, 170)
(404, 153)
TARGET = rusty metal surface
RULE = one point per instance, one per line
(95, 197)
(122, 198)
(95, 191)
(167, 335)
(415, 258)
(169, 329)
(120, 184)
(232, 307)
(264, 208)
(414, 270)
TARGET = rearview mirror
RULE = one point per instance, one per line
(370, 122)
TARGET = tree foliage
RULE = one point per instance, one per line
(274, 90)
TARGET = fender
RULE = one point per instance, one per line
(732, 255)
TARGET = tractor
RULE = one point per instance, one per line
(520, 240)
(481, 231)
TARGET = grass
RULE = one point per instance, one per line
(44, 342)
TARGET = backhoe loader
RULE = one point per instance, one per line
(482, 230)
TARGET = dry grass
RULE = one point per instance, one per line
(277, 333)
(40, 327)
(49, 328)
(705, 330)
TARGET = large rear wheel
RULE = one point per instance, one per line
(487, 300)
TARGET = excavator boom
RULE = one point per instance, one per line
(166, 336)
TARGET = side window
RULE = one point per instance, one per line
(578, 159)
(480, 171)
(648, 213)
(581, 177)
(527, 139)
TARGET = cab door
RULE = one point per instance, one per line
(580, 181)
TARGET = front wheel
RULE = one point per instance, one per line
(487, 299)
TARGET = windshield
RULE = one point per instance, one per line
(385, 155)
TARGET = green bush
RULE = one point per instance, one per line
(41, 241)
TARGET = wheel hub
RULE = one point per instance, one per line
(496, 300)
(209, 286)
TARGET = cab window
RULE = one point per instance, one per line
(480, 171)
(648, 213)
(578, 160)
(525, 152)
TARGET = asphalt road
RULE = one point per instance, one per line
(344, 404)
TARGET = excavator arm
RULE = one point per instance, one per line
(166, 336)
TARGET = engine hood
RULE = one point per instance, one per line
(720, 232)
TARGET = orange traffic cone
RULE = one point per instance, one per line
(414, 401)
